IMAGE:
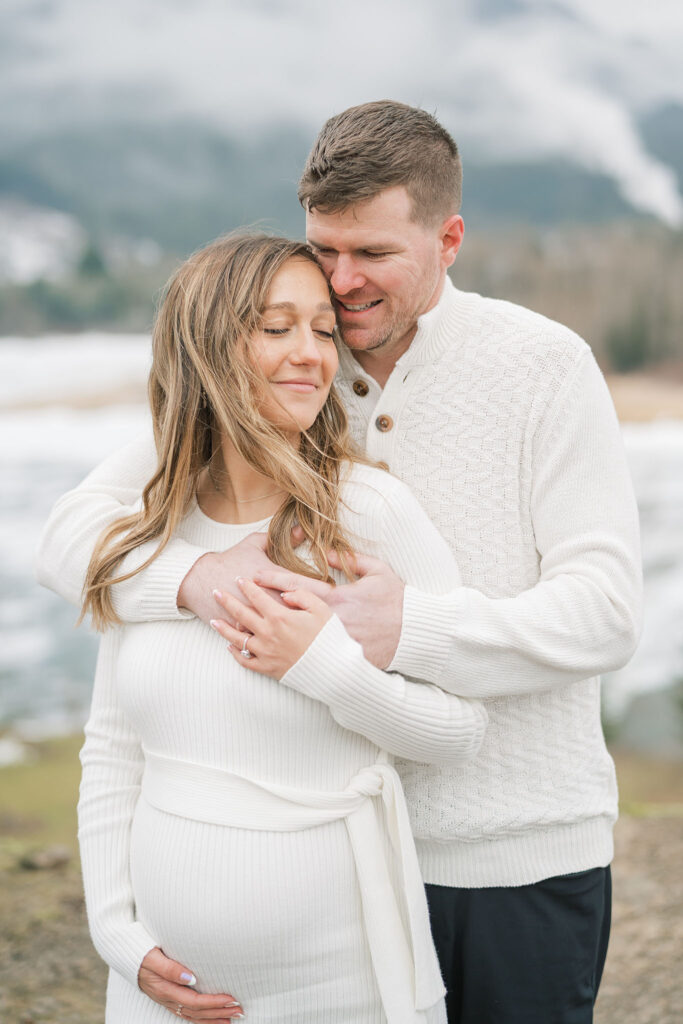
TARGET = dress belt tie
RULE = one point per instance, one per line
(405, 966)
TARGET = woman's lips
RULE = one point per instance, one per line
(302, 387)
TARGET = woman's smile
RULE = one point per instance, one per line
(294, 348)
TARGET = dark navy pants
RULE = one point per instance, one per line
(532, 954)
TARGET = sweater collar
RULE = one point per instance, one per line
(439, 328)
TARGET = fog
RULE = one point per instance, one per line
(512, 79)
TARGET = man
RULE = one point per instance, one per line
(501, 423)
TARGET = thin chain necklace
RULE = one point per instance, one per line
(239, 501)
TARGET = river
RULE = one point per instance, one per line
(60, 414)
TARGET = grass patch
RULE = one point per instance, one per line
(38, 798)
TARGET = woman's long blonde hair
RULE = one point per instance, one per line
(202, 383)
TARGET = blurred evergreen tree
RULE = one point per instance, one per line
(629, 345)
(91, 263)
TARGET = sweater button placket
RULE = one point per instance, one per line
(384, 423)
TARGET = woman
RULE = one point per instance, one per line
(227, 821)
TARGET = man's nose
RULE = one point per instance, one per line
(346, 276)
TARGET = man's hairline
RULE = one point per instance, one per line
(414, 216)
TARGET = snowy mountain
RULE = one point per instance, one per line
(175, 122)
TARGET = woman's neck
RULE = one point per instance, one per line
(232, 491)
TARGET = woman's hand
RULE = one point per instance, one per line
(275, 634)
(370, 608)
(168, 983)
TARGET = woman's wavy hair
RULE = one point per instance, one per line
(202, 382)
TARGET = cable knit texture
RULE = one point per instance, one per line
(504, 431)
(271, 915)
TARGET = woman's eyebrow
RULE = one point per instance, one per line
(322, 307)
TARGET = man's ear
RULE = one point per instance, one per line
(451, 234)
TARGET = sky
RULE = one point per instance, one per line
(512, 79)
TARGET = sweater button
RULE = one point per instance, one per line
(384, 423)
(361, 388)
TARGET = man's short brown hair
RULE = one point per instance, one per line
(375, 146)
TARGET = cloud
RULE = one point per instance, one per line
(514, 79)
(546, 93)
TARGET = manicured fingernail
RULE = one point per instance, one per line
(232, 1005)
(188, 979)
(218, 594)
(213, 623)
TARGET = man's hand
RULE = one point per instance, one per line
(168, 983)
(218, 570)
(371, 609)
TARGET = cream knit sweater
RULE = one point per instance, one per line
(501, 424)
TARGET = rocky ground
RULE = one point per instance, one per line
(49, 973)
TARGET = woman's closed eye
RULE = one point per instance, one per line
(279, 332)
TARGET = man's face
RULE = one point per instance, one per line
(385, 269)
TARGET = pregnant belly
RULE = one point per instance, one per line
(273, 917)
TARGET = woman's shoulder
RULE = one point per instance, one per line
(372, 487)
(372, 502)
(381, 517)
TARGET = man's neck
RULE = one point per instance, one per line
(379, 363)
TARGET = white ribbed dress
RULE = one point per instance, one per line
(273, 917)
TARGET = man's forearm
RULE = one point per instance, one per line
(549, 636)
(583, 616)
(111, 492)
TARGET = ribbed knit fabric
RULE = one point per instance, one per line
(502, 426)
(272, 917)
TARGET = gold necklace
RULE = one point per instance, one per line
(239, 501)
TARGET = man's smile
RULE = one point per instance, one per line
(357, 308)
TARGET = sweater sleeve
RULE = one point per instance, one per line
(111, 492)
(583, 616)
(112, 762)
(413, 720)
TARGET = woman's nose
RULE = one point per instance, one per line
(306, 350)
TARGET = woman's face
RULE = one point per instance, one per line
(295, 347)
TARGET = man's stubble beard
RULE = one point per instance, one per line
(393, 332)
(367, 348)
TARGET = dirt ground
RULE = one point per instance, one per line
(49, 973)
(643, 981)
(641, 397)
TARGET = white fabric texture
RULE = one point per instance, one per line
(287, 919)
(504, 431)
(404, 960)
